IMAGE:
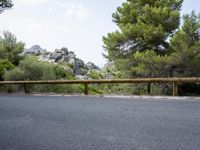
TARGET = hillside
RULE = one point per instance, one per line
(64, 58)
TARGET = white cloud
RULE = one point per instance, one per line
(33, 31)
(35, 26)
(31, 2)
(50, 9)
(77, 10)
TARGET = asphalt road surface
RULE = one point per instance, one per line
(98, 123)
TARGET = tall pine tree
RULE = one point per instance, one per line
(185, 47)
(143, 25)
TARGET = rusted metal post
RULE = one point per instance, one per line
(86, 89)
(25, 88)
(175, 89)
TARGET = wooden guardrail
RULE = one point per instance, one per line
(175, 82)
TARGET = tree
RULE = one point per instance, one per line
(5, 65)
(151, 64)
(28, 69)
(5, 4)
(185, 47)
(143, 25)
(32, 69)
(11, 49)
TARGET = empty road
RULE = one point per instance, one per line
(98, 123)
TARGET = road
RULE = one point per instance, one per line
(98, 123)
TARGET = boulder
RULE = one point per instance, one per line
(71, 58)
(34, 50)
(59, 54)
(79, 67)
(79, 77)
(92, 66)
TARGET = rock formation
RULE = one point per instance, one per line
(79, 68)
(34, 50)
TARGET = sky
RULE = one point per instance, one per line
(78, 25)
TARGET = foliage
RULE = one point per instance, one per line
(150, 64)
(5, 65)
(32, 69)
(15, 74)
(59, 72)
(5, 4)
(94, 74)
(143, 25)
(109, 72)
(185, 47)
(149, 42)
(184, 58)
(11, 49)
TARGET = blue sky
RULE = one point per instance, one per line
(76, 24)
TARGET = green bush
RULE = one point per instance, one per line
(94, 75)
(5, 65)
(11, 49)
(32, 69)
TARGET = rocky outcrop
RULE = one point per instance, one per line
(59, 54)
(92, 66)
(34, 50)
(78, 67)
(79, 77)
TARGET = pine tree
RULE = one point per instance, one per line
(143, 25)
(185, 47)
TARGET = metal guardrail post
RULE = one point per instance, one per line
(175, 89)
(86, 89)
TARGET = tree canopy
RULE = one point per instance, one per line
(5, 4)
(150, 42)
(143, 25)
(142, 38)
(185, 47)
(10, 48)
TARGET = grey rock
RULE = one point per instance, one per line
(71, 54)
(79, 77)
(92, 66)
(34, 50)
(47, 57)
(72, 60)
(63, 55)
(80, 68)
(59, 54)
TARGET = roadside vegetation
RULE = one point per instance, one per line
(152, 40)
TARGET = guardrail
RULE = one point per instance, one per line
(175, 82)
